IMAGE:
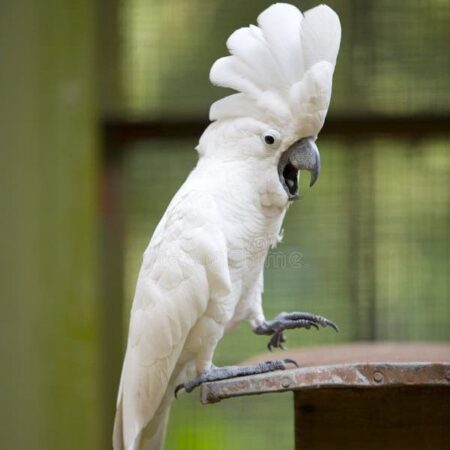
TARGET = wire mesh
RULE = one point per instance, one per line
(394, 57)
(367, 247)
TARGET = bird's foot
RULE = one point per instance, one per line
(289, 321)
(224, 373)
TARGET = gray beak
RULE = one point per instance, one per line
(302, 155)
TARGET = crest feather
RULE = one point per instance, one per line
(282, 66)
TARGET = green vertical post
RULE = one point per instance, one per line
(49, 331)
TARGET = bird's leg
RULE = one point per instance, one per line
(289, 321)
(224, 373)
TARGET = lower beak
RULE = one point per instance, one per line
(302, 155)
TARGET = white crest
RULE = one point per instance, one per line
(282, 68)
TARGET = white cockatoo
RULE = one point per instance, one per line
(202, 272)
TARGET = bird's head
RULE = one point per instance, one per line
(282, 70)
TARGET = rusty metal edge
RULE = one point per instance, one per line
(357, 375)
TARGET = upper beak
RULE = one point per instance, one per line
(302, 155)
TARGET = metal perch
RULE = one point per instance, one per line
(360, 396)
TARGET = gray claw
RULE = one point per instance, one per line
(292, 361)
(276, 341)
(290, 321)
(332, 325)
(178, 388)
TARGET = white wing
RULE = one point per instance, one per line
(185, 262)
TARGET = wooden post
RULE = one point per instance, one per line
(49, 307)
(413, 418)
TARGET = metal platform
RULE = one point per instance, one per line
(359, 396)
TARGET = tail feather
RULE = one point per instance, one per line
(118, 441)
(155, 433)
(152, 437)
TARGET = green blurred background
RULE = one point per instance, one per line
(102, 104)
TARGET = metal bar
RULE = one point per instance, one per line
(358, 375)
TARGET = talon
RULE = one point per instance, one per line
(276, 341)
(225, 373)
(282, 339)
(272, 345)
(290, 321)
(292, 361)
(332, 325)
(178, 388)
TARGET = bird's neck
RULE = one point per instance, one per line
(248, 194)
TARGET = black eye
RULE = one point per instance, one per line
(272, 138)
(269, 139)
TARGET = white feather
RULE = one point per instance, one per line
(272, 61)
(185, 261)
(320, 36)
(281, 24)
(232, 73)
(234, 105)
(255, 53)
